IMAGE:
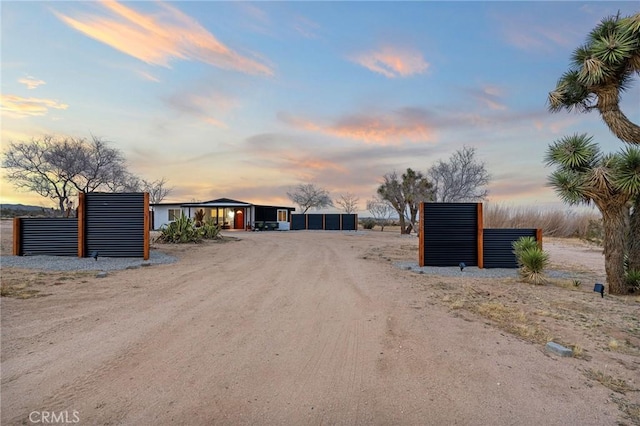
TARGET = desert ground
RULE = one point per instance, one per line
(311, 327)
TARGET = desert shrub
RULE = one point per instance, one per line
(210, 229)
(368, 223)
(632, 278)
(531, 258)
(181, 230)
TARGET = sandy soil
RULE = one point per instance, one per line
(292, 328)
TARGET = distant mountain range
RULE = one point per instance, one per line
(22, 207)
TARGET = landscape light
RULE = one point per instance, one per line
(599, 288)
(462, 266)
(94, 254)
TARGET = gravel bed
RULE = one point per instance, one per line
(473, 271)
(69, 263)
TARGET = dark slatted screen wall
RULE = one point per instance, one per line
(327, 222)
(49, 236)
(298, 222)
(114, 224)
(332, 222)
(498, 251)
(349, 222)
(450, 234)
(314, 221)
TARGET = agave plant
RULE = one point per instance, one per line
(181, 230)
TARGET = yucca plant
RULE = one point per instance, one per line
(531, 259)
(522, 244)
(632, 279)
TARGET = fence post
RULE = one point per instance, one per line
(480, 226)
(81, 225)
(146, 226)
(539, 237)
(17, 222)
(421, 236)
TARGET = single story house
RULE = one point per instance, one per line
(229, 214)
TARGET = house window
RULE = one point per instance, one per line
(282, 216)
(174, 214)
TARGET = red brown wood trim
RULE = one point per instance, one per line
(341, 221)
(356, 224)
(17, 222)
(146, 226)
(81, 223)
(324, 225)
(306, 221)
(539, 237)
(421, 236)
(480, 236)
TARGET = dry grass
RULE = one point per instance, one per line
(617, 385)
(554, 223)
(30, 284)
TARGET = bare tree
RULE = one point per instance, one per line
(157, 189)
(60, 168)
(308, 195)
(381, 211)
(460, 179)
(348, 202)
(405, 196)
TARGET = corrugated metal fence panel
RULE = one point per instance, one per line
(498, 251)
(114, 224)
(314, 221)
(332, 222)
(349, 222)
(49, 236)
(450, 234)
(297, 222)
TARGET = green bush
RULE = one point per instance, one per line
(531, 259)
(181, 230)
(186, 230)
(632, 279)
(210, 230)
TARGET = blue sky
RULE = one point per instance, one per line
(245, 100)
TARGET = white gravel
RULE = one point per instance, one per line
(69, 263)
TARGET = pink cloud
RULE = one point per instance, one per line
(19, 107)
(161, 38)
(31, 82)
(392, 62)
(392, 128)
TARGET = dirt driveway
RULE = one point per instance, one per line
(296, 328)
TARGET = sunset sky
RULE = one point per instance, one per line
(245, 100)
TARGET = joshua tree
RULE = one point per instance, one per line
(583, 175)
(601, 70)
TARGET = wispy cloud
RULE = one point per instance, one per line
(160, 38)
(529, 35)
(31, 82)
(490, 96)
(392, 61)
(206, 106)
(306, 27)
(19, 107)
(388, 128)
